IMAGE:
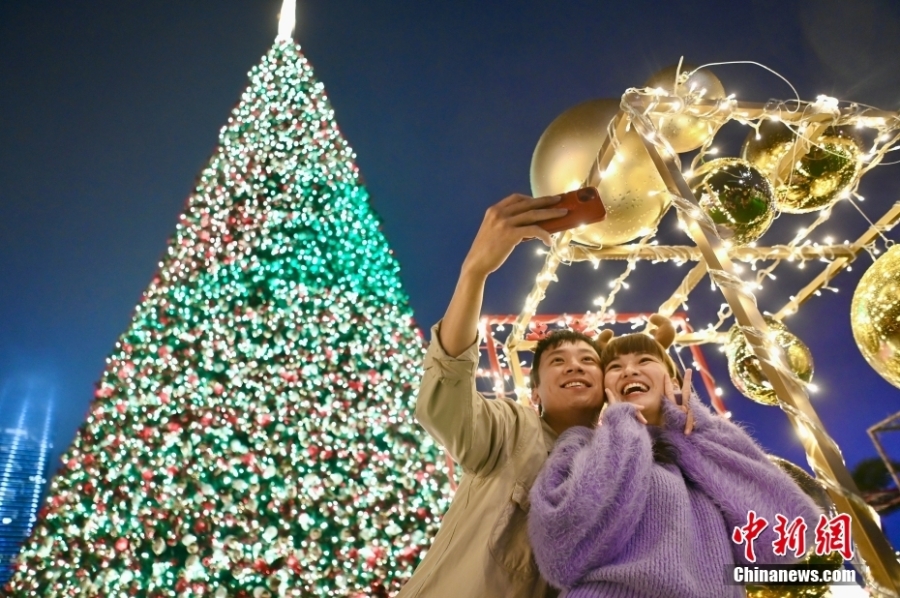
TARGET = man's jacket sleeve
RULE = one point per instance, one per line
(477, 432)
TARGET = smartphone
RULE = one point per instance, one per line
(585, 207)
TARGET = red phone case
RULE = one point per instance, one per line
(585, 207)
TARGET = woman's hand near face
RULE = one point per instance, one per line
(612, 397)
(685, 392)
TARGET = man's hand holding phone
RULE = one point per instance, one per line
(505, 225)
(519, 217)
(583, 206)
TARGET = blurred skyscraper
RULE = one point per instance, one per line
(26, 414)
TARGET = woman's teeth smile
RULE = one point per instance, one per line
(634, 387)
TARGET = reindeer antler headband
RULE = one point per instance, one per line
(663, 331)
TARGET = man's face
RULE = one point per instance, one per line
(570, 379)
(638, 378)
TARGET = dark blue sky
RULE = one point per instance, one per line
(109, 110)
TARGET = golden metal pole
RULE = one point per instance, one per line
(755, 110)
(821, 450)
(619, 126)
(687, 285)
(701, 338)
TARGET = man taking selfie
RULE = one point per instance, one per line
(482, 548)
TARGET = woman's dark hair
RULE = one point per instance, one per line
(637, 343)
(552, 341)
(663, 452)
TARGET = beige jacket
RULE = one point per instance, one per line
(482, 549)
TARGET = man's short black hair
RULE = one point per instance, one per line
(552, 341)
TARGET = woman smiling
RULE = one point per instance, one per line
(644, 505)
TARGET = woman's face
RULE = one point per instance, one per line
(638, 378)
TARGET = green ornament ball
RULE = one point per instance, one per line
(737, 197)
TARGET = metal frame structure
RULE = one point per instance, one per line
(714, 258)
(889, 424)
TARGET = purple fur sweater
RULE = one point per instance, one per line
(606, 520)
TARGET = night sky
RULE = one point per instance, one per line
(109, 110)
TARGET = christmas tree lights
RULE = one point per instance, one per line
(252, 434)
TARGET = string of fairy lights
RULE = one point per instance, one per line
(799, 157)
(800, 250)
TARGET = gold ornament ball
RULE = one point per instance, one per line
(632, 190)
(823, 174)
(568, 147)
(683, 132)
(875, 315)
(765, 153)
(818, 178)
(745, 371)
(736, 197)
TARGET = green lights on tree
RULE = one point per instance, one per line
(252, 434)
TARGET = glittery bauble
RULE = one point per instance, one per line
(745, 371)
(875, 315)
(633, 192)
(737, 197)
(818, 178)
(683, 132)
(765, 153)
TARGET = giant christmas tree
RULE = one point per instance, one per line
(252, 434)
